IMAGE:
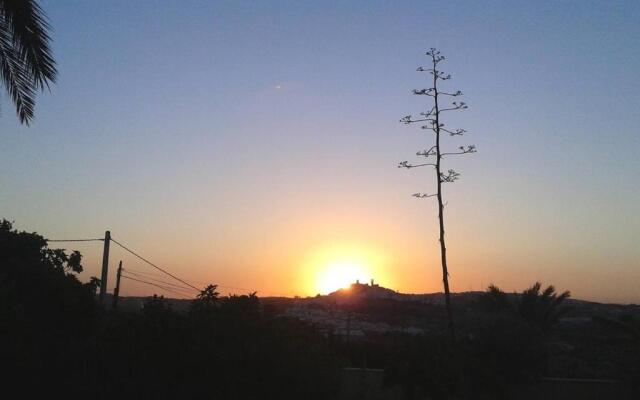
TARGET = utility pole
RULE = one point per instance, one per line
(105, 266)
(116, 291)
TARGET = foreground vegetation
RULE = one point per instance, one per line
(56, 336)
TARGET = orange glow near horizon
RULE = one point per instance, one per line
(339, 275)
(337, 267)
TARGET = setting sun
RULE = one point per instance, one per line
(336, 266)
(340, 274)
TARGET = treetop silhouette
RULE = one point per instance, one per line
(26, 60)
(431, 120)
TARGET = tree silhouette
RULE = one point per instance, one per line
(55, 334)
(539, 307)
(432, 121)
(542, 308)
(209, 295)
(26, 62)
(206, 302)
(494, 299)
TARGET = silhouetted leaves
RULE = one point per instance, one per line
(542, 308)
(26, 62)
(54, 335)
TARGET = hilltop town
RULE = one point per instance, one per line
(368, 308)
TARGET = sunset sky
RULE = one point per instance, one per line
(255, 144)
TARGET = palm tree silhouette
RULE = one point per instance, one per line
(26, 62)
(494, 299)
(542, 308)
(209, 295)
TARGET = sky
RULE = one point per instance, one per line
(254, 144)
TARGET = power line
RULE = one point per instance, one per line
(225, 286)
(158, 286)
(155, 279)
(74, 240)
(236, 288)
(148, 275)
(185, 288)
(148, 262)
(153, 265)
(175, 292)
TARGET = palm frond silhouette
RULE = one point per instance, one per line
(26, 60)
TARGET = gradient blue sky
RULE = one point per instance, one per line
(233, 142)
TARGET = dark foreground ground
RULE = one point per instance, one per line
(363, 344)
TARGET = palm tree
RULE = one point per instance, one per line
(209, 295)
(494, 300)
(26, 62)
(542, 308)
